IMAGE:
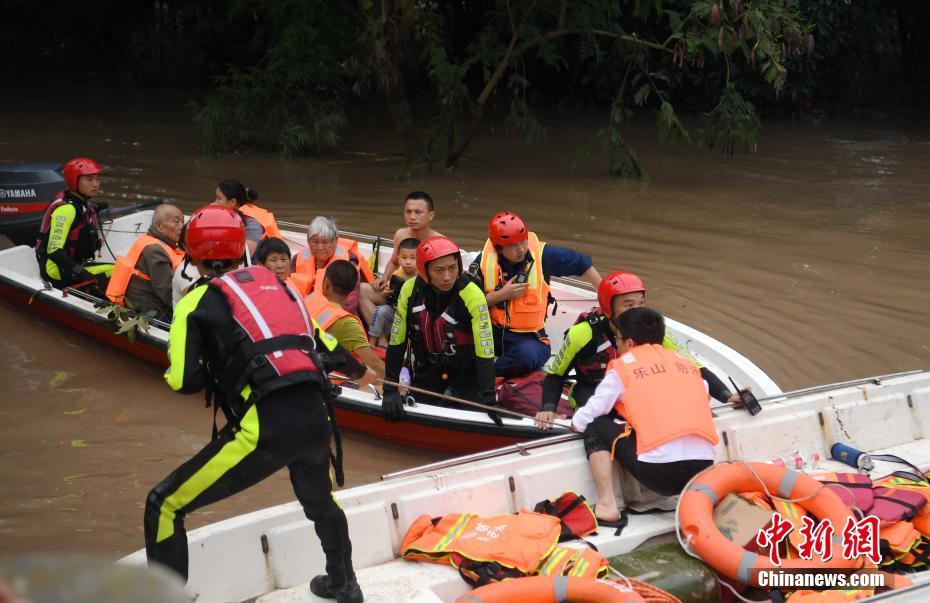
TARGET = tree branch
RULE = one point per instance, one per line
(513, 52)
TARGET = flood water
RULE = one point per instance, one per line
(811, 258)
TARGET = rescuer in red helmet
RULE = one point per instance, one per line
(69, 237)
(587, 349)
(443, 317)
(246, 338)
(513, 270)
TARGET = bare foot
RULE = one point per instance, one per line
(607, 510)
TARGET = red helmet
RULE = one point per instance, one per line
(77, 167)
(506, 228)
(215, 233)
(617, 283)
(434, 248)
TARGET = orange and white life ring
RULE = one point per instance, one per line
(696, 507)
(552, 589)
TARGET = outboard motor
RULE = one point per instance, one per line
(26, 189)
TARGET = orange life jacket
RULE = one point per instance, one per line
(264, 217)
(525, 314)
(308, 278)
(582, 563)
(521, 541)
(921, 521)
(900, 538)
(327, 312)
(125, 267)
(665, 397)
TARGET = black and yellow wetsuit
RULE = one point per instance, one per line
(286, 427)
(584, 345)
(450, 341)
(68, 240)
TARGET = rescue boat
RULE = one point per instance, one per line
(445, 429)
(269, 555)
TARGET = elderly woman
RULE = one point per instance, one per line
(324, 245)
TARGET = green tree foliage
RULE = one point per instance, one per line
(638, 53)
(291, 98)
(279, 72)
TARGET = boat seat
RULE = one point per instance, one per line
(21, 260)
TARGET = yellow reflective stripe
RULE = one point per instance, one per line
(670, 342)
(576, 338)
(177, 337)
(454, 532)
(95, 269)
(399, 328)
(536, 278)
(328, 340)
(554, 559)
(489, 268)
(59, 226)
(581, 566)
(477, 305)
(230, 455)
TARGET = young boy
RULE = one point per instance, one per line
(379, 329)
(418, 214)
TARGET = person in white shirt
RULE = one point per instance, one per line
(651, 413)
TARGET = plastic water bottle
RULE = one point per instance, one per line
(404, 376)
(797, 461)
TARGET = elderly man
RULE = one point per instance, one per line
(143, 276)
(324, 246)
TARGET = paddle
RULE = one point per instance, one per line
(484, 407)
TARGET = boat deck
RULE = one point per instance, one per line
(400, 580)
(272, 553)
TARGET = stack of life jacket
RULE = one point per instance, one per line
(902, 504)
(491, 549)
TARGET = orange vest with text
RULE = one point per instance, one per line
(521, 541)
(664, 397)
(264, 217)
(309, 278)
(526, 314)
(125, 267)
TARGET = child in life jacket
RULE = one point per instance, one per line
(379, 329)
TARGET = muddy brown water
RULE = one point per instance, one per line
(811, 258)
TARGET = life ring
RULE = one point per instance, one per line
(552, 589)
(696, 507)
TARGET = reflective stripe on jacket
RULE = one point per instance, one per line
(275, 333)
(664, 398)
(326, 312)
(309, 278)
(526, 314)
(521, 541)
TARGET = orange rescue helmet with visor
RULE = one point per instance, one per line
(215, 233)
(614, 284)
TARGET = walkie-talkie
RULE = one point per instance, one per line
(747, 398)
